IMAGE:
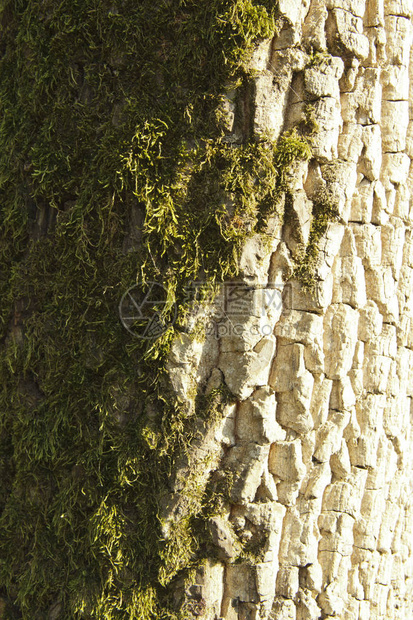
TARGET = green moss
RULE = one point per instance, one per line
(310, 123)
(108, 110)
(317, 58)
(325, 210)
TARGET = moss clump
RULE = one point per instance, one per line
(317, 58)
(325, 210)
(108, 118)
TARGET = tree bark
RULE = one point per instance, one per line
(169, 454)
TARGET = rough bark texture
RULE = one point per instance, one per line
(260, 465)
(319, 444)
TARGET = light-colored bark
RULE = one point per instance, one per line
(320, 442)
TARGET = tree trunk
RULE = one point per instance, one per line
(207, 337)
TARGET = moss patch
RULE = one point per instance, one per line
(325, 210)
